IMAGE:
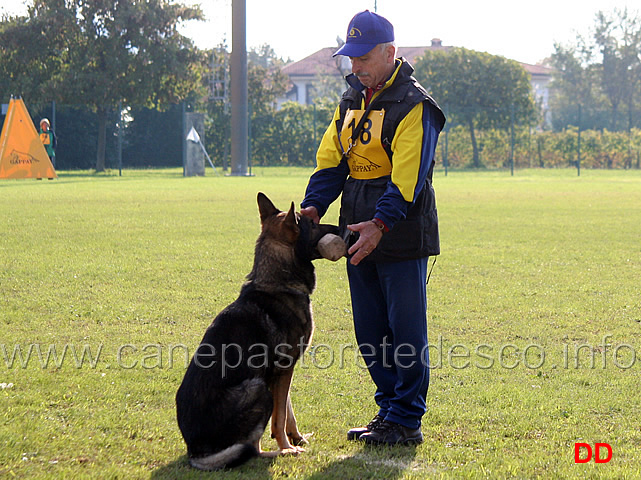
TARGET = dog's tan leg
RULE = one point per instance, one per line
(295, 437)
(279, 415)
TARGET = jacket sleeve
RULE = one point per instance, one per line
(413, 148)
(326, 183)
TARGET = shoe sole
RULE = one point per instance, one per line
(355, 436)
(405, 443)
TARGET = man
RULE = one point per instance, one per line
(48, 139)
(379, 153)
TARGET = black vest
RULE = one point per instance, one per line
(416, 235)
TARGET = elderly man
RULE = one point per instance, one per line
(379, 152)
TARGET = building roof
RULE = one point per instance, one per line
(411, 53)
(541, 70)
(322, 62)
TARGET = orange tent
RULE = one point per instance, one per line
(22, 154)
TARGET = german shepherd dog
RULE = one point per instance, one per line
(241, 373)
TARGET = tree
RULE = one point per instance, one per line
(101, 52)
(602, 70)
(618, 38)
(575, 82)
(266, 83)
(477, 90)
(32, 53)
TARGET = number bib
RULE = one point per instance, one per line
(44, 138)
(366, 158)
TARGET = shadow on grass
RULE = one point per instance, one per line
(370, 463)
(256, 468)
(367, 463)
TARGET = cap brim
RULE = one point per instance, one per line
(354, 49)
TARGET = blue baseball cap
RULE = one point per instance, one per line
(365, 31)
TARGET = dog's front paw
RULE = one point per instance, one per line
(294, 450)
(298, 439)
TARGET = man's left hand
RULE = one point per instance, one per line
(369, 236)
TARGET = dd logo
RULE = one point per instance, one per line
(597, 453)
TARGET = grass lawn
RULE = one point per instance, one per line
(108, 284)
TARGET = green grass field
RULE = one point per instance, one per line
(534, 320)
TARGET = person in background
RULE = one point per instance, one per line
(378, 152)
(48, 138)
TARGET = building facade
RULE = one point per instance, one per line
(304, 74)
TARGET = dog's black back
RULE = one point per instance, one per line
(225, 401)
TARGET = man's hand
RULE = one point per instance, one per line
(310, 212)
(369, 236)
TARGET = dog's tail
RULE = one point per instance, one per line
(228, 458)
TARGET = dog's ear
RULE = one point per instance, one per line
(266, 207)
(289, 226)
(291, 217)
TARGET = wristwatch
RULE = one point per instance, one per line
(379, 223)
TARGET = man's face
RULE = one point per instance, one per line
(44, 126)
(374, 67)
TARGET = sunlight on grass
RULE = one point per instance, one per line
(108, 284)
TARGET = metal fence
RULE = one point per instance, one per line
(144, 138)
(139, 137)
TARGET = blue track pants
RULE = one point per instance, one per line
(389, 306)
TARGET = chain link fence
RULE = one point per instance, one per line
(139, 137)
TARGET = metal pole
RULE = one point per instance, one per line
(512, 139)
(120, 138)
(578, 148)
(206, 155)
(183, 126)
(53, 115)
(314, 126)
(249, 139)
(239, 102)
(446, 160)
(53, 127)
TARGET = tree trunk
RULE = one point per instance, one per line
(476, 161)
(102, 139)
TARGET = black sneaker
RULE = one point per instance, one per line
(355, 433)
(390, 433)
